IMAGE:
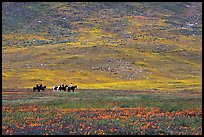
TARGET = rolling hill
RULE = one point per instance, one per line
(103, 45)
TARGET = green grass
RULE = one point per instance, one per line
(125, 99)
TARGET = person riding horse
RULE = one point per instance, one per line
(72, 88)
(39, 87)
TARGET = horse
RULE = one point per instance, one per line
(63, 88)
(59, 88)
(72, 88)
(38, 88)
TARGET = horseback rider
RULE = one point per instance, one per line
(71, 85)
(40, 87)
(37, 85)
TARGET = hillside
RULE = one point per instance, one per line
(103, 45)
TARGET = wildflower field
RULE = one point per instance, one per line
(105, 112)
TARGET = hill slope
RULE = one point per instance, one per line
(151, 46)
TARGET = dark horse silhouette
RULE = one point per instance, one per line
(63, 88)
(72, 88)
(38, 88)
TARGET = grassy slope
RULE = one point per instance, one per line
(122, 52)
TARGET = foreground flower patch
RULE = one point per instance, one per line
(136, 121)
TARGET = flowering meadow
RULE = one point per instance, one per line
(101, 113)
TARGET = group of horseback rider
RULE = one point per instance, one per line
(61, 87)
